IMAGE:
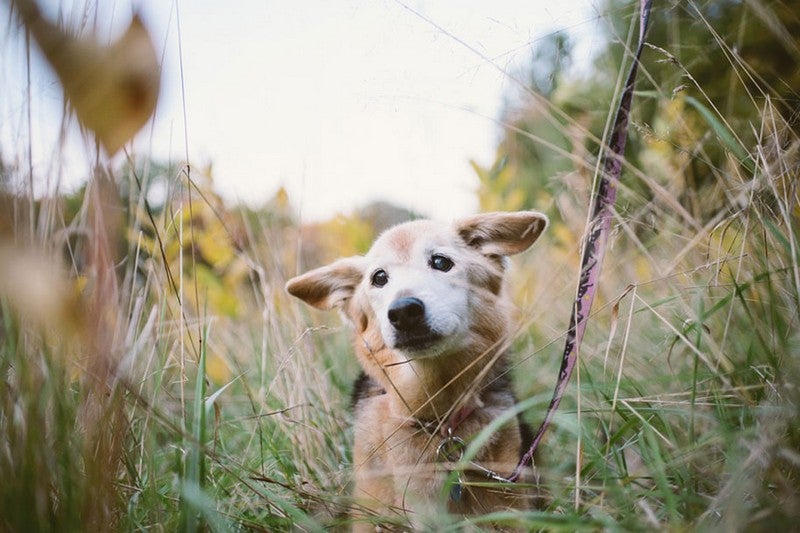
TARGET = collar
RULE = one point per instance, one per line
(447, 428)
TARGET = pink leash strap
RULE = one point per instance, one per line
(594, 246)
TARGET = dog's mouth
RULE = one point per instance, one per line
(417, 341)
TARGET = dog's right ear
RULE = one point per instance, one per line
(502, 233)
(330, 286)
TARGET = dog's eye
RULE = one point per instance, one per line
(440, 262)
(379, 278)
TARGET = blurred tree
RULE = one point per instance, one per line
(699, 107)
(382, 215)
(345, 235)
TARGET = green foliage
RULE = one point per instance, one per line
(709, 55)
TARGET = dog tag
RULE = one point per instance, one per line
(455, 490)
(451, 450)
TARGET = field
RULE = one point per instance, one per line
(154, 375)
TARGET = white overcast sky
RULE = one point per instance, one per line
(340, 102)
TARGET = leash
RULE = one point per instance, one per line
(594, 247)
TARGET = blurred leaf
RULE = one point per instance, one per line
(37, 290)
(113, 89)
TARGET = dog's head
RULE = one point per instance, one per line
(425, 288)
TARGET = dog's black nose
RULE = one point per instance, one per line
(407, 314)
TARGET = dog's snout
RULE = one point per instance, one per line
(409, 321)
(407, 313)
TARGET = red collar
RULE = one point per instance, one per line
(447, 428)
(455, 420)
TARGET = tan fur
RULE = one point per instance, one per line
(420, 389)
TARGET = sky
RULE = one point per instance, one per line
(339, 102)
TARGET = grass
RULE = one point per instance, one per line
(133, 397)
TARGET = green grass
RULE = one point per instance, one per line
(139, 399)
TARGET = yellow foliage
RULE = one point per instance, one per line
(642, 268)
(217, 369)
(210, 258)
(215, 247)
(338, 237)
(561, 234)
(214, 294)
(281, 200)
(498, 191)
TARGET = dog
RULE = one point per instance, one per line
(431, 321)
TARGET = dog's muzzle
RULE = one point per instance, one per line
(409, 320)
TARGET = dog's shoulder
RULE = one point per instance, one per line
(364, 388)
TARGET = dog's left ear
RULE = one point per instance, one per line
(502, 233)
(330, 286)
